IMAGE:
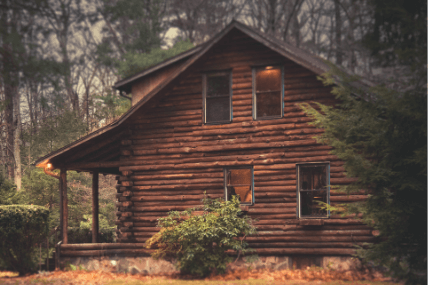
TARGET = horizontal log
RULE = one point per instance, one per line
(147, 219)
(143, 234)
(191, 141)
(305, 251)
(281, 194)
(178, 198)
(157, 192)
(343, 222)
(275, 205)
(348, 198)
(271, 163)
(195, 171)
(231, 147)
(271, 210)
(163, 208)
(218, 180)
(145, 224)
(305, 245)
(178, 176)
(167, 203)
(274, 200)
(100, 246)
(143, 229)
(300, 238)
(179, 187)
(259, 158)
(106, 252)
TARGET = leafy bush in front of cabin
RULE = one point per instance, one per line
(200, 241)
(21, 228)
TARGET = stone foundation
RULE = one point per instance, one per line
(133, 265)
(149, 266)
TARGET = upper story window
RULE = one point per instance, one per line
(239, 181)
(217, 97)
(268, 92)
(313, 181)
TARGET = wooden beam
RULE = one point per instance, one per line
(64, 227)
(61, 216)
(95, 207)
(101, 164)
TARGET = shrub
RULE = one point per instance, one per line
(200, 241)
(8, 193)
(21, 228)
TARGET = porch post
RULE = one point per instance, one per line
(61, 216)
(64, 218)
(95, 206)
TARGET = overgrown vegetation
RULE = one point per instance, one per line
(201, 241)
(21, 227)
(134, 62)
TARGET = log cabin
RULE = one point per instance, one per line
(221, 118)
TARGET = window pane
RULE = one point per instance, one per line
(239, 177)
(268, 80)
(218, 85)
(313, 177)
(309, 205)
(245, 195)
(268, 104)
(239, 182)
(217, 109)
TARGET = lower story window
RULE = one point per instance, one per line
(239, 181)
(313, 180)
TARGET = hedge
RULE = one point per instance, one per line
(21, 228)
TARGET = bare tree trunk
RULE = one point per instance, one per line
(8, 113)
(10, 91)
(16, 144)
(338, 30)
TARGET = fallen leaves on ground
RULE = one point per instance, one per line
(81, 277)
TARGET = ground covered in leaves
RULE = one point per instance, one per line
(309, 276)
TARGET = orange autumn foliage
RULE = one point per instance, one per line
(81, 277)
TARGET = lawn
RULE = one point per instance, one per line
(310, 276)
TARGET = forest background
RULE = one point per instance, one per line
(60, 58)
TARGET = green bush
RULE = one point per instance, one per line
(8, 193)
(21, 228)
(200, 241)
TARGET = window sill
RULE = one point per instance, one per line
(268, 118)
(311, 222)
(244, 208)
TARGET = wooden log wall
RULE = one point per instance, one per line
(172, 158)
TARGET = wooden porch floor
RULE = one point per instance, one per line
(104, 249)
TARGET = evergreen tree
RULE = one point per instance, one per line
(382, 138)
(381, 135)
